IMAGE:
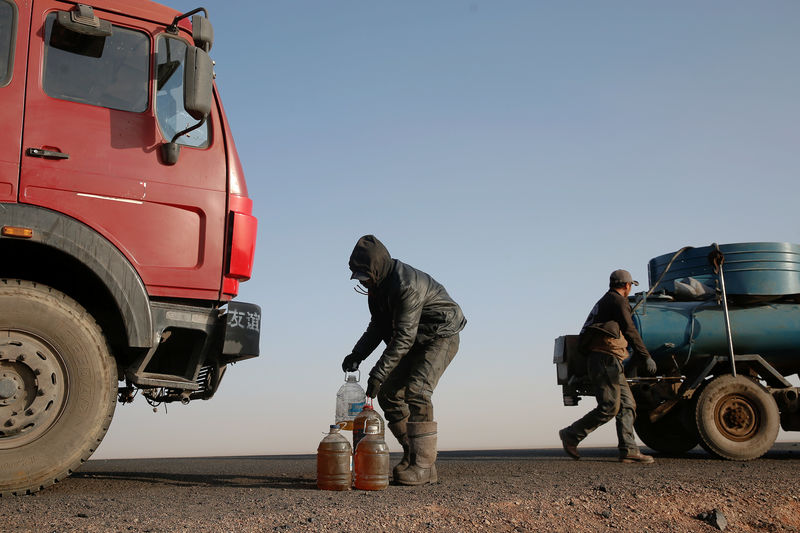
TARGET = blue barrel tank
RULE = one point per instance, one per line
(762, 281)
(750, 268)
(697, 330)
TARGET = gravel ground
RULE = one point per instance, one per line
(520, 490)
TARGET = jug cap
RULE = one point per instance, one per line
(372, 429)
(335, 428)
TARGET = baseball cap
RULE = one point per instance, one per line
(622, 276)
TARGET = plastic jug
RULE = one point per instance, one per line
(368, 415)
(333, 461)
(371, 461)
(349, 400)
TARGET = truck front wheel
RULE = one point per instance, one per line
(673, 433)
(57, 386)
(736, 418)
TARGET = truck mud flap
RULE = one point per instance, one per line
(242, 332)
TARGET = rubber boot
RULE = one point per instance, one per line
(400, 430)
(422, 438)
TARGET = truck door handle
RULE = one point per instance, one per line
(47, 154)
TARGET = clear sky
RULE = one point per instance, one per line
(517, 151)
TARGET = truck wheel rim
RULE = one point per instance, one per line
(33, 388)
(737, 418)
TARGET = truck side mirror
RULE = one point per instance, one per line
(202, 32)
(198, 80)
(198, 83)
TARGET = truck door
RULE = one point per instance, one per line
(13, 46)
(91, 148)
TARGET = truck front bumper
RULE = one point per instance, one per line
(193, 345)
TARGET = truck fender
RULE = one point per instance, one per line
(90, 248)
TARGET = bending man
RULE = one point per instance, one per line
(419, 322)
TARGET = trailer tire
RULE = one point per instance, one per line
(58, 386)
(736, 418)
(673, 433)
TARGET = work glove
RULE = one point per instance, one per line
(650, 366)
(373, 386)
(351, 362)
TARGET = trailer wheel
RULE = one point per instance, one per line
(736, 418)
(57, 386)
(673, 433)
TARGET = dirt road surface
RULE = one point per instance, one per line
(521, 490)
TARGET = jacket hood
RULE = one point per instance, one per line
(371, 257)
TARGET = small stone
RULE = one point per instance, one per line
(715, 518)
(606, 514)
(718, 520)
(82, 515)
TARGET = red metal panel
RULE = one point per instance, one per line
(243, 246)
(11, 109)
(168, 220)
(242, 242)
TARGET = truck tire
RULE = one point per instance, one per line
(58, 386)
(673, 433)
(736, 418)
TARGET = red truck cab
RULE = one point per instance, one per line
(124, 218)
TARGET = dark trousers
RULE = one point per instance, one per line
(614, 399)
(408, 389)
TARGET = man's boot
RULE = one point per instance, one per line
(422, 438)
(636, 457)
(569, 443)
(400, 430)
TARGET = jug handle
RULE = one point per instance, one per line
(367, 402)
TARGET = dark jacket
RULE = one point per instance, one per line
(609, 328)
(406, 305)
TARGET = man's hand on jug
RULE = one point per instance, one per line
(351, 362)
(373, 386)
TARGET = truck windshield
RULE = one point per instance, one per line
(8, 23)
(118, 79)
(172, 117)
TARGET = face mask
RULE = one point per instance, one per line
(360, 276)
(363, 279)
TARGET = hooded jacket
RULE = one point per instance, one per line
(406, 305)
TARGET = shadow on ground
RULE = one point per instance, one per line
(170, 472)
(203, 480)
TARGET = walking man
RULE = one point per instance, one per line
(419, 322)
(605, 336)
